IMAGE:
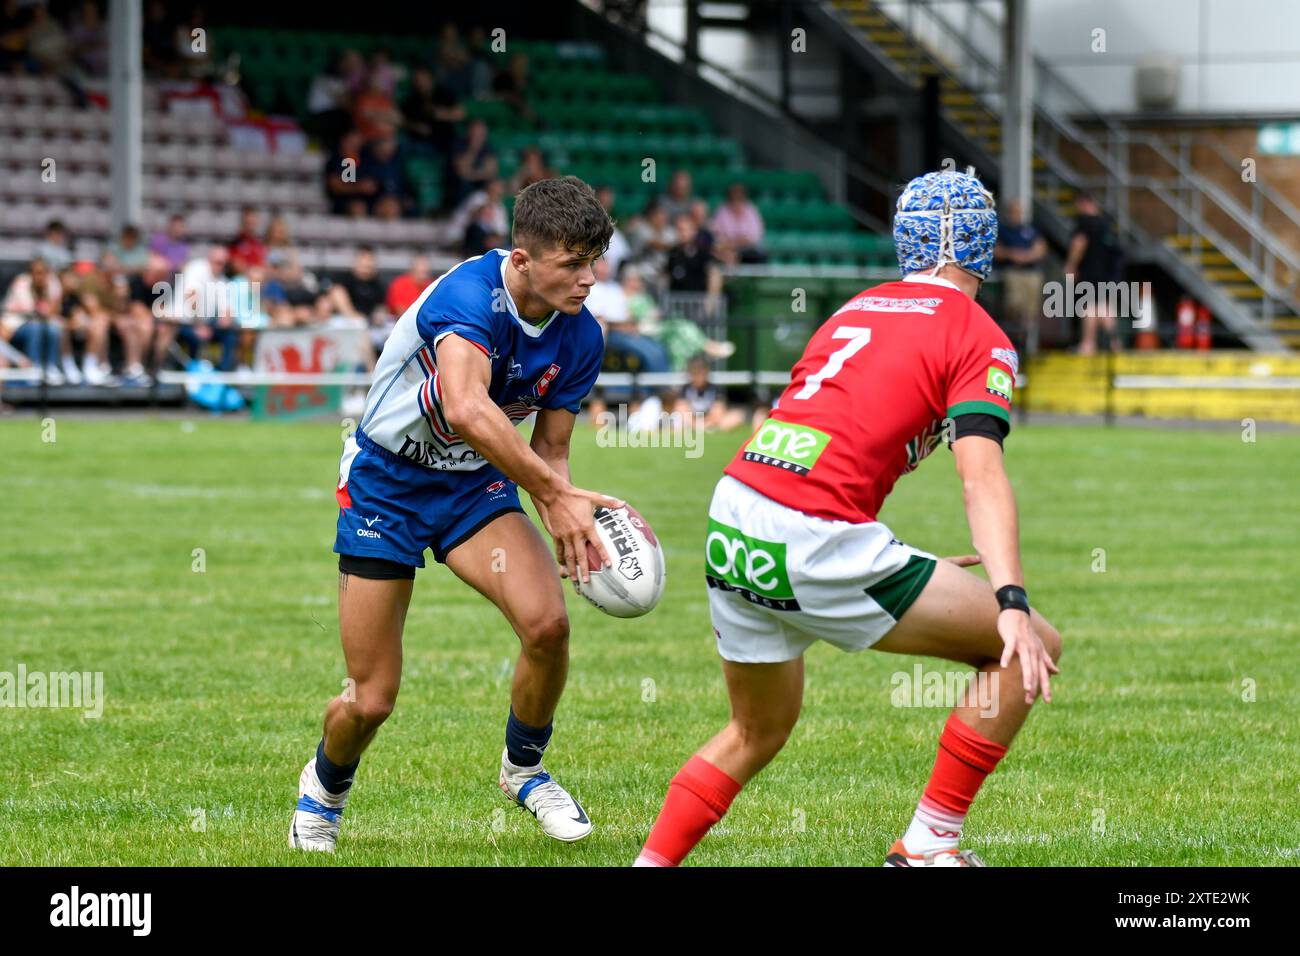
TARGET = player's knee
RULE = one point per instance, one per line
(763, 740)
(372, 709)
(548, 634)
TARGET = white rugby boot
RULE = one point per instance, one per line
(558, 814)
(316, 818)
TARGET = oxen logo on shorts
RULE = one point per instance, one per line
(753, 568)
(787, 446)
(495, 490)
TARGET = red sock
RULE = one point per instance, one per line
(697, 799)
(965, 759)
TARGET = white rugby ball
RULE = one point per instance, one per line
(634, 582)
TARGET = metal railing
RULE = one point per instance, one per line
(1059, 109)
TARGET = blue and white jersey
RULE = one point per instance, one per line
(549, 365)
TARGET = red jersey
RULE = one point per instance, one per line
(868, 399)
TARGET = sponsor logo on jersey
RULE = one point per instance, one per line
(1008, 356)
(545, 381)
(753, 568)
(999, 382)
(884, 303)
(514, 370)
(786, 445)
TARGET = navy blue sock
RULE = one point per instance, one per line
(525, 745)
(333, 778)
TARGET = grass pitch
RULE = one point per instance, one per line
(1172, 738)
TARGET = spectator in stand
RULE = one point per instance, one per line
(348, 188)
(677, 200)
(128, 250)
(650, 238)
(296, 289)
(159, 45)
(92, 298)
(737, 228)
(474, 162)
(406, 288)
(482, 65)
(383, 163)
(384, 74)
(361, 294)
(31, 321)
(47, 44)
(88, 41)
(430, 113)
(702, 398)
(1094, 257)
(510, 85)
(373, 112)
(329, 99)
(172, 244)
(609, 304)
(681, 337)
(497, 221)
(532, 168)
(205, 306)
(145, 305)
(1019, 251)
(247, 249)
(483, 232)
(691, 266)
(55, 249)
(278, 243)
(455, 66)
(699, 213)
(15, 18)
(618, 248)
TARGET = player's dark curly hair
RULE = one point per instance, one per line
(561, 212)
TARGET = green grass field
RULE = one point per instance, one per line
(1172, 738)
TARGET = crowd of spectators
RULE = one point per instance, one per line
(142, 302)
(102, 321)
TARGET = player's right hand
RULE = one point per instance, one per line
(569, 521)
(1035, 663)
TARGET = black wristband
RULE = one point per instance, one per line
(1013, 597)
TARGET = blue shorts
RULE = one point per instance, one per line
(393, 509)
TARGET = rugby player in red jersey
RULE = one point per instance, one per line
(795, 554)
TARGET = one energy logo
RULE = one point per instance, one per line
(998, 383)
(786, 445)
(753, 568)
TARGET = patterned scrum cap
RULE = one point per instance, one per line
(946, 217)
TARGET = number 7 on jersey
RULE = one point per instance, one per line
(857, 336)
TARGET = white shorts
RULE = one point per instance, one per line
(780, 579)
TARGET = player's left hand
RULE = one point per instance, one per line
(1036, 664)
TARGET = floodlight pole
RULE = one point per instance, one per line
(1018, 110)
(125, 97)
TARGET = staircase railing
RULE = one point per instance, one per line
(1189, 195)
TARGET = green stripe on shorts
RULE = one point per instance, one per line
(897, 592)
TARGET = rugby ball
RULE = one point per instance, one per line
(633, 584)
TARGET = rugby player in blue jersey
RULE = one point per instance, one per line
(436, 462)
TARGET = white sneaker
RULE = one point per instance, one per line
(53, 375)
(70, 371)
(558, 814)
(316, 819)
(93, 372)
